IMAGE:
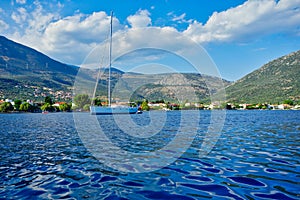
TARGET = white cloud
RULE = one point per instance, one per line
(67, 39)
(40, 18)
(21, 1)
(249, 20)
(179, 18)
(3, 26)
(31, 25)
(140, 19)
(135, 38)
(20, 16)
(133, 50)
(73, 37)
(170, 13)
(84, 28)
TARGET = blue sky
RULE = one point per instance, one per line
(240, 36)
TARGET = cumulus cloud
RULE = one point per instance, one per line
(68, 39)
(79, 34)
(81, 28)
(140, 19)
(135, 38)
(250, 19)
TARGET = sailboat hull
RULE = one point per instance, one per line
(101, 110)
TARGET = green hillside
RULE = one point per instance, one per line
(26, 73)
(274, 82)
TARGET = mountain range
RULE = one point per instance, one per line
(28, 74)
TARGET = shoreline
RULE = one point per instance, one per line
(158, 110)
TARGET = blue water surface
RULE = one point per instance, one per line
(256, 157)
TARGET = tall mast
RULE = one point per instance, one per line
(109, 69)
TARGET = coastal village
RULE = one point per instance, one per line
(37, 92)
(82, 105)
(227, 106)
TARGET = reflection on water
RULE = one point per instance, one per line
(256, 157)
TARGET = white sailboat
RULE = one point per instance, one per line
(111, 109)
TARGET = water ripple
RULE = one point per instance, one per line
(214, 189)
(247, 181)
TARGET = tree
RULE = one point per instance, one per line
(81, 100)
(48, 100)
(228, 106)
(250, 107)
(47, 107)
(97, 102)
(26, 107)
(145, 106)
(159, 101)
(17, 104)
(6, 107)
(64, 107)
(86, 107)
(288, 101)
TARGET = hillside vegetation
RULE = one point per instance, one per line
(274, 82)
(27, 73)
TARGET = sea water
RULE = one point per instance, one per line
(256, 156)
